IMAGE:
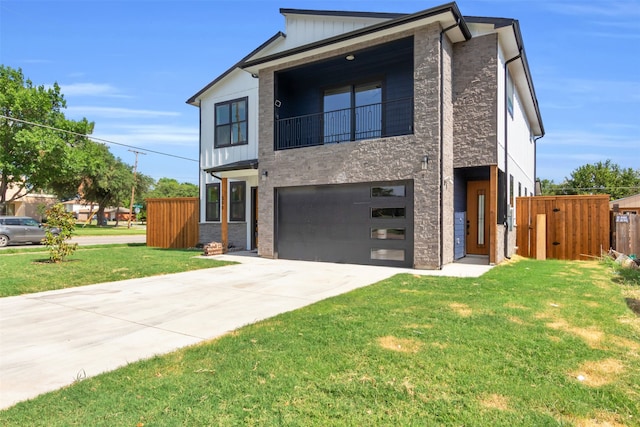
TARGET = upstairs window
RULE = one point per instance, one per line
(231, 123)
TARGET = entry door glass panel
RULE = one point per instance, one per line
(481, 218)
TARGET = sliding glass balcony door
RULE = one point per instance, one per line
(352, 113)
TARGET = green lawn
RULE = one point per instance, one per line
(109, 230)
(534, 343)
(27, 270)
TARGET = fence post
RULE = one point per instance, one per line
(541, 236)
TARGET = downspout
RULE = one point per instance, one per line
(200, 217)
(506, 151)
(535, 160)
(441, 172)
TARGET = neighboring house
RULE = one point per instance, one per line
(32, 204)
(626, 205)
(82, 210)
(372, 138)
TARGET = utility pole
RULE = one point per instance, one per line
(133, 187)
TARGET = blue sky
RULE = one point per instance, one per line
(130, 65)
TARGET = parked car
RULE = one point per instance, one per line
(21, 229)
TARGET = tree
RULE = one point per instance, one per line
(604, 178)
(548, 187)
(106, 179)
(31, 157)
(169, 187)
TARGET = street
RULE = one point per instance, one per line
(95, 240)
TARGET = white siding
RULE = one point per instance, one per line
(238, 84)
(521, 149)
(304, 29)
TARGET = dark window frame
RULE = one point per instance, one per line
(231, 123)
(511, 190)
(208, 203)
(379, 81)
(241, 202)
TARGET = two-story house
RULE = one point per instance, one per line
(372, 138)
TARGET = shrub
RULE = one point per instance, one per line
(58, 218)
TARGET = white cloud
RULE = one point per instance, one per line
(152, 136)
(592, 90)
(613, 9)
(91, 89)
(582, 138)
(91, 112)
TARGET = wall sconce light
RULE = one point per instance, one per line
(265, 174)
(425, 162)
(350, 57)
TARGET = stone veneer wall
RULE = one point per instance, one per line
(388, 159)
(446, 179)
(475, 100)
(212, 232)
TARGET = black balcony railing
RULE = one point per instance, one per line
(391, 118)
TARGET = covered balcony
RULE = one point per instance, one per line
(363, 95)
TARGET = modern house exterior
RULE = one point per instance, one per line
(372, 138)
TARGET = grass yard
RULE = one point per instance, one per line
(25, 271)
(532, 343)
(109, 230)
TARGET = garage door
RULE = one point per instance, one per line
(370, 223)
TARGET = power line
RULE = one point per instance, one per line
(94, 138)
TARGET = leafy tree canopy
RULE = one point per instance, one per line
(598, 178)
(106, 180)
(36, 158)
(169, 187)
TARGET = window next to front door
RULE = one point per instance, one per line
(213, 202)
(231, 123)
(238, 201)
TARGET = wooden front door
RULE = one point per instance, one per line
(478, 217)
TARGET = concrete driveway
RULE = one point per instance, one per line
(50, 339)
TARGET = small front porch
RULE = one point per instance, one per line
(231, 206)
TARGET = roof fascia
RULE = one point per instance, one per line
(193, 100)
(527, 71)
(235, 166)
(450, 8)
(337, 13)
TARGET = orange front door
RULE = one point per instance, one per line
(478, 217)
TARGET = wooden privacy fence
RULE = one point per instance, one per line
(172, 223)
(627, 233)
(575, 226)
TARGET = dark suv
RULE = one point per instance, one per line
(21, 229)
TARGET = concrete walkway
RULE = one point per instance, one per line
(50, 339)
